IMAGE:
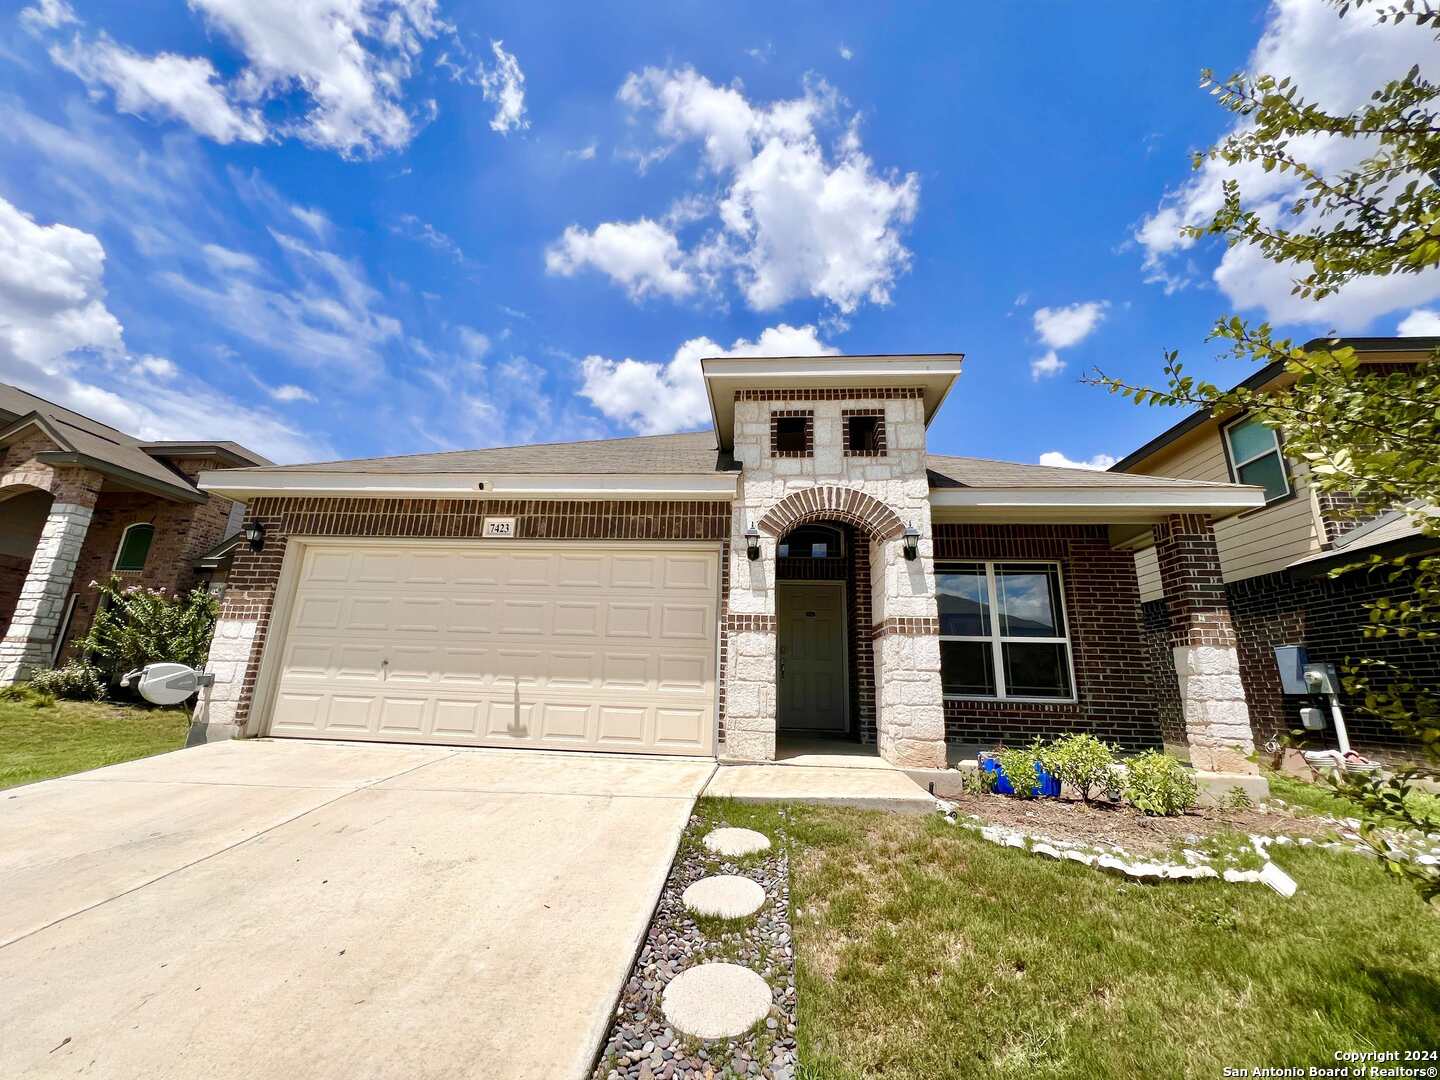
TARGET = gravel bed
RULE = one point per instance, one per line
(640, 1044)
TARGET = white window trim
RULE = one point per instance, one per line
(998, 641)
(1236, 465)
(115, 564)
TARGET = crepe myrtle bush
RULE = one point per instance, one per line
(1083, 763)
(136, 626)
(1159, 785)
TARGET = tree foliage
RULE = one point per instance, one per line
(136, 626)
(1369, 432)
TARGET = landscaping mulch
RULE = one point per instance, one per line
(1119, 824)
(640, 1044)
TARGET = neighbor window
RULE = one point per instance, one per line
(864, 434)
(1002, 631)
(134, 547)
(1255, 457)
(792, 434)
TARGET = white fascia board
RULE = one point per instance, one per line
(238, 483)
(1229, 498)
(829, 367)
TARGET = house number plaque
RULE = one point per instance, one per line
(499, 528)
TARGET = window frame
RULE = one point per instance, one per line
(120, 548)
(850, 449)
(806, 417)
(1234, 466)
(998, 641)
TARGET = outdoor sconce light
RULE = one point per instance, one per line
(255, 533)
(752, 543)
(911, 537)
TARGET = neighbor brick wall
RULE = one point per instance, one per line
(1116, 698)
(254, 576)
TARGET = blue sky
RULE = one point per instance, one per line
(342, 228)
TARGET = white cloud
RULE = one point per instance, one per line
(336, 69)
(582, 153)
(1301, 39)
(1047, 366)
(1061, 327)
(181, 87)
(223, 259)
(792, 219)
(655, 398)
(846, 53)
(59, 340)
(410, 225)
(47, 15)
(289, 392)
(157, 366)
(643, 256)
(1420, 323)
(475, 343)
(1098, 463)
(504, 86)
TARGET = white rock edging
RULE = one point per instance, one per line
(725, 896)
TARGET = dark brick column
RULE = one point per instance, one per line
(1207, 664)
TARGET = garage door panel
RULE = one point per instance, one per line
(565, 647)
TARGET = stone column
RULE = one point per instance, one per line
(30, 641)
(216, 714)
(909, 701)
(1207, 663)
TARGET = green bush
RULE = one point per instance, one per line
(1160, 785)
(79, 680)
(1019, 768)
(136, 626)
(977, 782)
(1082, 762)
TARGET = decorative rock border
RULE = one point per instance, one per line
(641, 1043)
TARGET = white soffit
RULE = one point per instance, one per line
(933, 374)
(244, 484)
(1095, 504)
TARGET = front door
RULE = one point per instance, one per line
(811, 669)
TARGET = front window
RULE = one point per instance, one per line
(1002, 631)
(1256, 458)
(134, 547)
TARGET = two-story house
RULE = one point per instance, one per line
(803, 569)
(81, 501)
(1276, 560)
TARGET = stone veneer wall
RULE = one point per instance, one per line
(1114, 688)
(878, 495)
(250, 592)
(1327, 616)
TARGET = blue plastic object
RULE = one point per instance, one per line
(1046, 786)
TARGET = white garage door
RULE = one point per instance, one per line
(565, 646)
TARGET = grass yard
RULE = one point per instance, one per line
(37, 742)
(923, 952)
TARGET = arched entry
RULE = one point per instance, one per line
(23, 510)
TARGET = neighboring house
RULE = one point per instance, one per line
(80, 501)
(803, 570)
(1275, 560)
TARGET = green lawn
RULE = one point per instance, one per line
(924, 952)
(70, 736)
(1319, 798)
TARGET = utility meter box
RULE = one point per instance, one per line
(1291, 660)
(1312, 719)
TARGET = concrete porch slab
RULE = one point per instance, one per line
(885, 788)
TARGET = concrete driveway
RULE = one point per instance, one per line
(306, 910)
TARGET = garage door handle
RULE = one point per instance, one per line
(385, 669)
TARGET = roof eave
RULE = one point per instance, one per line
(249, 484)
(149, 484)
(1129, 505)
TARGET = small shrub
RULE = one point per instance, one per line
(1160, 785)
(977, 782)
(78, 680)
(136, 626)
(1237, 798)
(1019, 768)
(1084, 763)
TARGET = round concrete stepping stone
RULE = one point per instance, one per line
(735, 842)
(725, 896)
(715, 1001)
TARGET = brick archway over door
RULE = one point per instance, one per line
(830, 502)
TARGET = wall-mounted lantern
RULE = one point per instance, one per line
(752, 542)
(911, 537)
(255, 534)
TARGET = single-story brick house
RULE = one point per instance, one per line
(80, 501)
(1275, 560)
(803, 569)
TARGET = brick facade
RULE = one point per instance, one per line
(1190, 576)
(255, 575)
(1115, 696)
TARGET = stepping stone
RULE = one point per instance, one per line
(716, 1001)
(725, 896)
(735, 842)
